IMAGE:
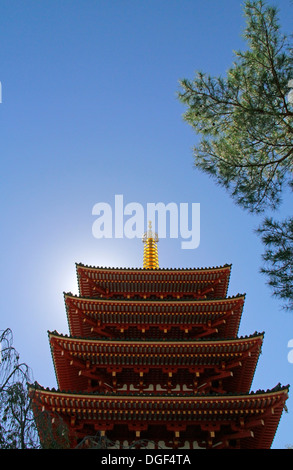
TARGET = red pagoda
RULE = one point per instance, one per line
(153, 360)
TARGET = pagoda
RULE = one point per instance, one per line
(153, 360)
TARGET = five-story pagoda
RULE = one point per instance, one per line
(153, 360)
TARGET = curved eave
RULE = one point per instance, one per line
(175, 270)
(152, 301)
(70, 355)
(83, 312)
(256, 399)
(94, 281)
(260, 412)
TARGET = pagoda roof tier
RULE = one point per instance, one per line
(153, 319)
(84, 364)
(249, 421)
(196, 283)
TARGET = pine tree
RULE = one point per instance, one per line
(278, 237)
(245, 120)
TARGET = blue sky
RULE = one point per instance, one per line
(89, 111)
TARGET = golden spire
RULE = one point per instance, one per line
(150, 251)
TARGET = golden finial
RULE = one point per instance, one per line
(150, 252)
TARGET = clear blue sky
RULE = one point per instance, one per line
(89, 110)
